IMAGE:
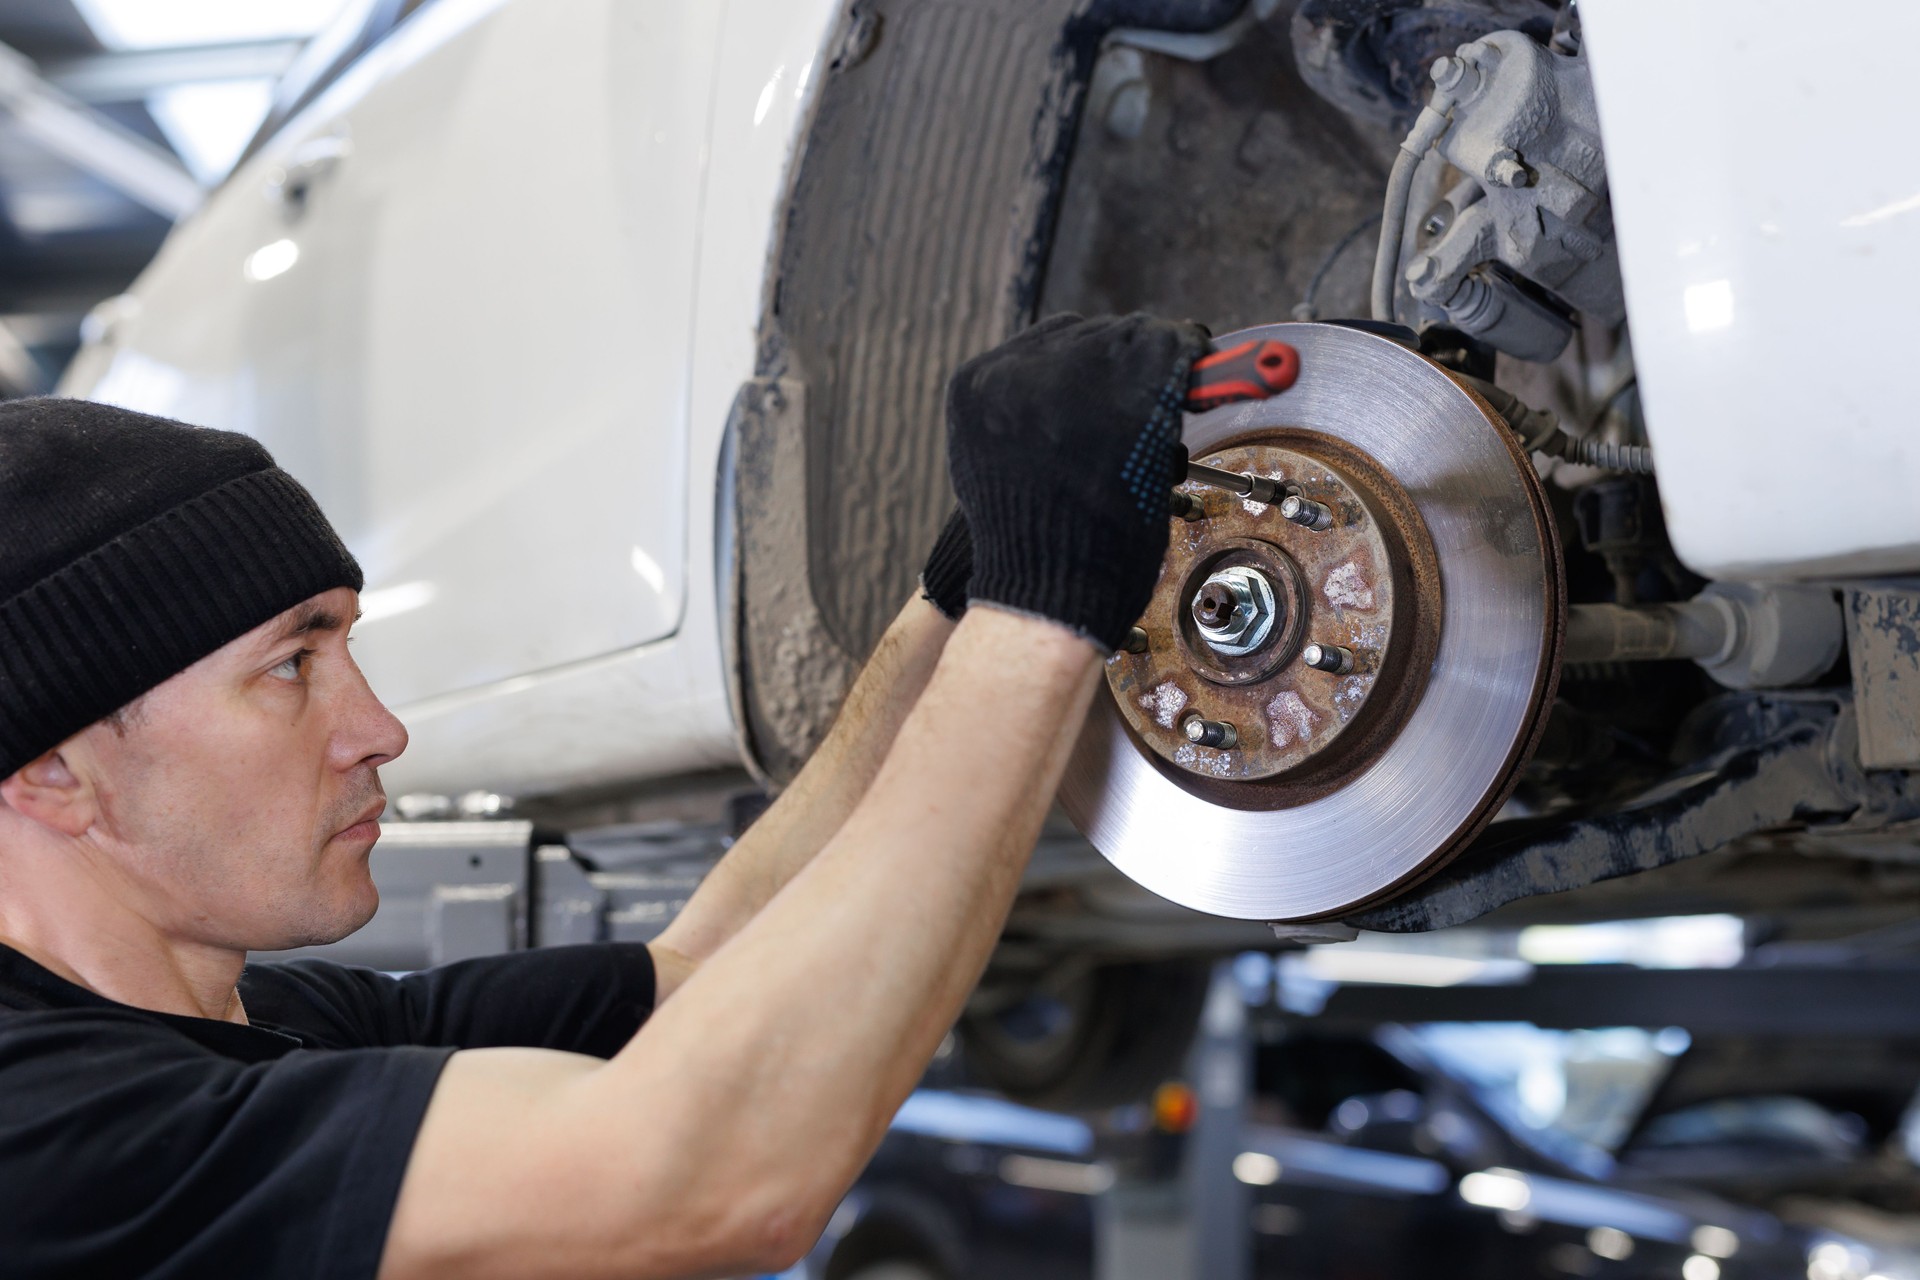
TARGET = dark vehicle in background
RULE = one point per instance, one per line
(1404, 1152)
(968, 1187)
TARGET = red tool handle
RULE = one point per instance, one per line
(1251, 370)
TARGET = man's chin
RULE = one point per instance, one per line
(319, 929)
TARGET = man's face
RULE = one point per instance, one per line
(237, 801)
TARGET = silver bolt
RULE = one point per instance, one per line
(1434, 225)
(1184, 506)
(1447, 72)
(1328, 657)
(1136, 641)
(1505, 169)
(1217, 734)
(1235, 610)
(1307, 513)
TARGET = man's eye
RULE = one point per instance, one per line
(294, 667)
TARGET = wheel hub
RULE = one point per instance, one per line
(1246, 592)
(1336, 691)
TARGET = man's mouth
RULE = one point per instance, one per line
(367, 825)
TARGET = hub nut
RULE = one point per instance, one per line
(1235, 610)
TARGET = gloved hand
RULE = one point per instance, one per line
(949, 568)
(1062, 444)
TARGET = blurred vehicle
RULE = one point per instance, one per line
(967, 1187)
(1366, 1152)
(613, 336)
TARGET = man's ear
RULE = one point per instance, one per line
(52, 794)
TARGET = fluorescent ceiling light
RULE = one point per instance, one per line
(157, 24)
(1666, 942)
(1402, 968)
(209, 124)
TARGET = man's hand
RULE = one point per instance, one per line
(1063, 445)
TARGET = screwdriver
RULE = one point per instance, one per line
(1250, 370)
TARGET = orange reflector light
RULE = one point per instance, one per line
(1174, 1107)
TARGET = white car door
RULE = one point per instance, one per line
(454, 296)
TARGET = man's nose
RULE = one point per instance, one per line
(371, 734)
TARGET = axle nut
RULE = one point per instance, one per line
(1235, 610)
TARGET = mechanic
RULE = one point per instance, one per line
(190, 759)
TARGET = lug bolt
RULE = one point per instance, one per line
(1328, 657)
(1306, 513)
(1136, 641)
(1184, 506)
(1217, 734)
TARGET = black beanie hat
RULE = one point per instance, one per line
(130, 548)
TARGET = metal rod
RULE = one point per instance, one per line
(1257, 488)
(1648, 632)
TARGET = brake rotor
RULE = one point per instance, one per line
(1326, 709)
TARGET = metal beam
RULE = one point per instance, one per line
(88, 140)
(1823, 1000)
(132, 75)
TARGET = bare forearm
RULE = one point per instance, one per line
(812, 808)
(827, 1006)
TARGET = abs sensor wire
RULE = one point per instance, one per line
(1306, 310)
(1541, 431)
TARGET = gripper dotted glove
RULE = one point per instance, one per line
(949, 568)
(1063, 445)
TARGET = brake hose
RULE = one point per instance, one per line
(1433, 122)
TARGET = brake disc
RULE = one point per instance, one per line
(1321, 716)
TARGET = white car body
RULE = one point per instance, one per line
(521, 448)
(1768, 206)
(501, 338)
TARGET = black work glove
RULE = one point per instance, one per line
(949, 568)
(1062, 444)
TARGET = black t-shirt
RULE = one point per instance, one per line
(142, 1144)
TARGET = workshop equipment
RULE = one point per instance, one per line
(1336, 681)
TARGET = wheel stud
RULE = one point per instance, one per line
(1328, 657)
(1217, 734)
(1136, 641)
(1306, 513)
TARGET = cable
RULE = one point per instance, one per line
(1306, 310)
(1541, 431)
(1426, 130)
(1393, 225)
(1634, 458)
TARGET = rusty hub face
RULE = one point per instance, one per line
(1244, 590)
